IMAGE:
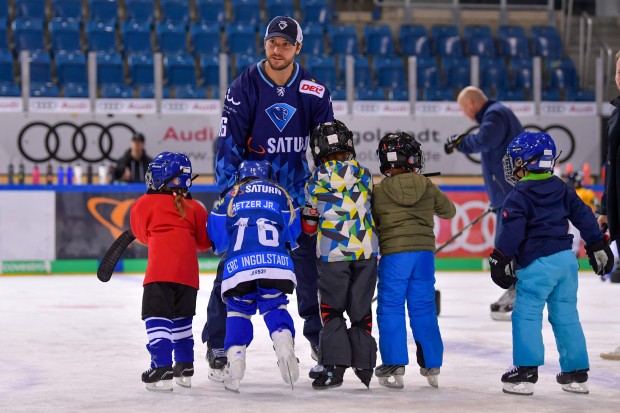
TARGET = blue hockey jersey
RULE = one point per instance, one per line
(263, 121)
(252, 225)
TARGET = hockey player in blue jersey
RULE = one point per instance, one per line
(269, 111)
(534, 231)
(256, 225)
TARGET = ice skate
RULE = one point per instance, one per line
(158, 378)
(432, 376)
(235, 368)
(316, 371)
(520, 380)
(330, 378)
(216, 357)
(611, 355)
(574, 381)
(391, 376)
(501, 310)
(314, 353)
(365, 375)
(183, 373)
(285, 351)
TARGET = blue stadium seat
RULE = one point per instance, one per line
(275, 8)
(448, 46)
(343, 39)
(547, 46)
(180, 69)
(243, 61)
(579, 95)
(210, 70)
(493, 73)
(40, 67)
(314, 11)
(136, 37)
(413, 40)
(323, 69)
(104, 10)
(110, 69)
(437, 95)
(511, 31)
(205, 38)
(361, 71)
(148, 92)
(6, 66)
(398, 94)
(370, 93)
(546, 31)
(28, 34)
(314, 40)
(10, 89)
(562, 74)
(511, 95)
(44, 90)
(338, 93)
(521, 73)
(389, 72)
(4, 38)
(246, 12)
(481, 46)
(428, 75)
(140, 10)
(65, 35)
(241, 39)
(71, 67)
(67, 9)
(379, 40)
(141, 69)
(171, 37)
(514, 47)
(552, 95)
(457, 72)
(175, 10)
(76, 90)
(477, 31)
(100, 36)
(116, 91)
(33, 9)
(211, 12)
(4, 9)
(190, 92)
(443, 30)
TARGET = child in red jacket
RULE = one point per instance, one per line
(173, 225)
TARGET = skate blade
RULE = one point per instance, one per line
(501, 316)
(396, 383)
(216, 375)
(580, 388)
(610, 356)
(433, 380)
(522, 389)
(232, 385)
(289, 369)
(333, 386)
(184, 381)
(160, 386)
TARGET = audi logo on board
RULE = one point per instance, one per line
(69, 142)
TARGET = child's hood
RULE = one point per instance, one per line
(405, 189)
(338, 176)
(549, 188)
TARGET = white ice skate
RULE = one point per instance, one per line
(501, 310)
(235, 369)
(611, 355)
(432, 376)
(285, 351)
(391, 376)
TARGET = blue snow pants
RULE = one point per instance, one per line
(408, 278)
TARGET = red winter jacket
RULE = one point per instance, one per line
(173, 241)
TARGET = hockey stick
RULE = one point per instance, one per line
(113, 254)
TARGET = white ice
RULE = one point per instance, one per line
(73, 344)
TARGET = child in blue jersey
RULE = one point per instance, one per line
(534, 233)
(255, 225)
(340, 190)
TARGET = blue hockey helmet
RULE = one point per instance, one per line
(254, 169)
(532, 151)
(400, 150)
(170, 170)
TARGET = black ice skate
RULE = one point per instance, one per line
(217, 361)
(365, 375)
(574, 381)
(391, 375)
(183, 373)
(520, 380)
(158, 378)
(316, 371)
(330, 378)
(501, 310)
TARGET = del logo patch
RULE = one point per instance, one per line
(280, 114)
(311, 88)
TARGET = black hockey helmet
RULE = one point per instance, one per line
(400, 150)
(329, 138)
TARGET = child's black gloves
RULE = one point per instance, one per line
(600, 256)
(502, 273)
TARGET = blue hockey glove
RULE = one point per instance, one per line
(452, 142)
(600, 256)
(502, 273)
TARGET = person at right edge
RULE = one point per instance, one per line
(404, 206)
(534, 233)
(610, 204)
(498, 125)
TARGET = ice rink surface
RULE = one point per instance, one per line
(74, 344)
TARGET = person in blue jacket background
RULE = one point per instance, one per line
(498, 125)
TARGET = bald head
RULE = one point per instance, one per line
(471, 99)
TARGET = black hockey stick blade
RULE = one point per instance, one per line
(113, 254)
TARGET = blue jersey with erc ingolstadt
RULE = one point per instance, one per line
(255, 234)
(261, 121)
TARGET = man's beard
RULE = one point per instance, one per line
(282, 64)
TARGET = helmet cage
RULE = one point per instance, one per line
(532, 151)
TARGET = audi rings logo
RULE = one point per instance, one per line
(476, 239)
(68, 142)
(562, 136)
